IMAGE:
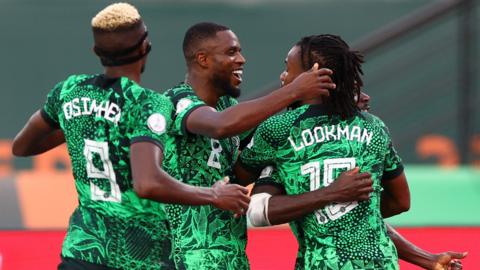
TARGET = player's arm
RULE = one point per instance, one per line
(280, 208)
(407, 251)
(150, 181)
(36, 137)
(244, 116)
(395, 197)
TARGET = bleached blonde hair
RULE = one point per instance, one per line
(116, 16)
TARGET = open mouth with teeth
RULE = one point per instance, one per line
(238, 74)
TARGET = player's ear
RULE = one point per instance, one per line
(201, 57)
(143, 48)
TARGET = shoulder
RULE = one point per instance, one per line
(374, 121)
(150, 98)
(183, 98)
(178, 92)
(138, 94)
(371, 118)
(226, 101)
(76, 79)
(72, 80)
(277, 128)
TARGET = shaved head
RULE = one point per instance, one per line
(197, 35)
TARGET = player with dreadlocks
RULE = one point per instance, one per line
(309, 146)
(270, 190)
(347, 65)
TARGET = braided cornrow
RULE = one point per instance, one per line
(332, 52)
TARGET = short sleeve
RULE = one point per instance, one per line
(260, 152)
(150, 118)
(393, 166)
(184, 101)
(51, 108)
(270, 176)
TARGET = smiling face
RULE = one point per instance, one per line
(293, 66)
(225, 62)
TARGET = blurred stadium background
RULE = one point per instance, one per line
(421, 73)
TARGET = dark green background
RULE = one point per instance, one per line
(413, 82)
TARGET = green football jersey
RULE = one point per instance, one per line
(203, 237)
(100, 118)
(269, 176)
(310, 149)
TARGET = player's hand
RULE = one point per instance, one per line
(448, 261)
(352, 186)
(312, 84)
(231, 197)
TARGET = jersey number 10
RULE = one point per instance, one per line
(335, 210)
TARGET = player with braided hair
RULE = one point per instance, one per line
(269, 204)
(309, 147)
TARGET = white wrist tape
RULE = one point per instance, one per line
(257, 211)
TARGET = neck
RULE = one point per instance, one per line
(313, 101)
(131, 72)
(202, 87)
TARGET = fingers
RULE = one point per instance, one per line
(455, 265)
(355, 171)
(362, 183)
(327, 86)
(364, 175)
(322, 92)
(325, 79)
(352, 171)
(364, 194)
(242, 189)
(365, 190)
(242, 196)
(240, 210)
(223, 181)
(244, 205)
(226, 179)
(321, 71)
(457, 255)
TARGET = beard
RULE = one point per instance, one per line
(228, 89)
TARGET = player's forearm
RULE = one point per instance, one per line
(407, 251)
(285, 208)
(150, 181)
(247, 115)
(164, 188)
